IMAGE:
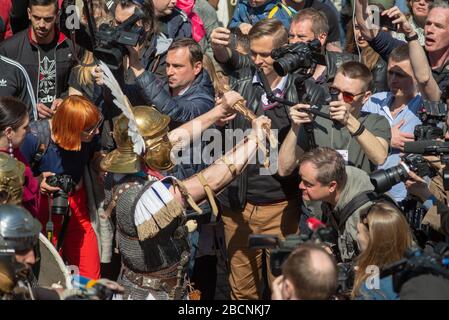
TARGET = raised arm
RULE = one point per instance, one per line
(423, 73)
(226, 168)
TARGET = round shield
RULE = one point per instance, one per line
(52, 269)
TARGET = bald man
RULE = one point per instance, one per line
(309, 273)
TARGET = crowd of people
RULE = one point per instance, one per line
(147, 140)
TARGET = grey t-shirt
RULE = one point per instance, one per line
(329, 134)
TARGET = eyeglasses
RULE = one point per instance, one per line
(92, 131)
(347, 96)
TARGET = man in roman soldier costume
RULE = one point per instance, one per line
(149, 209)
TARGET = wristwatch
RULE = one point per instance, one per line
(414, 37)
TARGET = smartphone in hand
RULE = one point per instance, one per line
(387, 22)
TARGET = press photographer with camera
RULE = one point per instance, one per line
(362, 138)
(274, 198)
(309, 24)
(309, 273)
(383, 236)
(58, 151)
(324, 177)
(433, 197)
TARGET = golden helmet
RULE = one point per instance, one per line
(11, 179)
(153, 126)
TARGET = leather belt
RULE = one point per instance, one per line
(155, 281)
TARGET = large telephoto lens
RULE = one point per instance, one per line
(384, 179)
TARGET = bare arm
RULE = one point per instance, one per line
(290, 151)
(362, 17)
(375, 148)
(423, 73)
(219, 174)
(220, 39)
(192, 130)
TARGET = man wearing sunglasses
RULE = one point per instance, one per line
(362, 139)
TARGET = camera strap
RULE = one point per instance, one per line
(358, 201)
(41, 130)
(63, 231)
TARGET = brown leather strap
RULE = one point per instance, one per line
(187, 195)
(232, 168)
(209, 193)
(117, 193)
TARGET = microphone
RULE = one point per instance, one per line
(314, 224)
(427, 147)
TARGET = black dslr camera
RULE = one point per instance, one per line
(297, 57)
(433, 118)
(281, 249)
(434, 261)
(384, 179)
(111, 41)
(61, 197)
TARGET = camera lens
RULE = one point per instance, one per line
(383, 180)
(287, 64)
(60, 203)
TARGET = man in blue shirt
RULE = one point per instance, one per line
(400, 107)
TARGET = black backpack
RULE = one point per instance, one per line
(41, 130)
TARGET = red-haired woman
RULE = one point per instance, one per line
(72, 143)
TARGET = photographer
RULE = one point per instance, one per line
(362, 138)
(309, 273)
(433, 197)
(65, 145)
(273, 198)
(324, 177)
(309, 24)
(383, 236)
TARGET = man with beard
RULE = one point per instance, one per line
(45, 53)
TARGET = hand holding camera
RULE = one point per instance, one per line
(339, 111)
(45, 188)
(417, 186)
(220, 37)
(64, 186)
(299, 116)
(394, 19)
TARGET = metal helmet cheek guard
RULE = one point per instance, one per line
(157, 152)
(153, 127)
(11, 179)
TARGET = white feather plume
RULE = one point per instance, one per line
(123, 103)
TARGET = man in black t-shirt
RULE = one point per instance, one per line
(258, 202)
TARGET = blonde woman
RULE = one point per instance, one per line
(383, 237)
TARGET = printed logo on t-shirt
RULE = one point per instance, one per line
(47, 80)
